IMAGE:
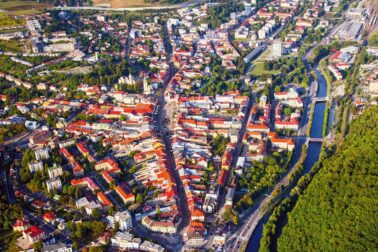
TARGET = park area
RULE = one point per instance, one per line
(258, 64)
(258, 69)
(22, 7)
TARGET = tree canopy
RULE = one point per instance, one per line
(337, 212)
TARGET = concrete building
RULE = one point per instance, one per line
(350, 30)
(124, 220)
(151, 247)
(33, 26)
(36, 166)
(230, 196)
(58, 247)
(261, 34)
(53, 184)
(247, 8)
(41, 154)
(34, 234)
(125, 241)
(277, 48)
(255, 52)
(55, 171)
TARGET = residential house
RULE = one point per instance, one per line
(53, 184)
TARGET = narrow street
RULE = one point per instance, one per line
(161, 120)
(172, 242)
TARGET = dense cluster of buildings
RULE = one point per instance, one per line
(369, 74)
(147, 44)
(260, 124)
(340, 61)
(108, 143)
(197, 118)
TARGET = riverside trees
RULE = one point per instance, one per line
(337, 211)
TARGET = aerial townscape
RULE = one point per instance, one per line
(174, 125)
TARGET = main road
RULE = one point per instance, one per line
(170, 242)
(162, 115)
(161, 7)
(243, 234)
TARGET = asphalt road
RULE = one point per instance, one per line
(242, 235)
(162, 7)
(48, 228)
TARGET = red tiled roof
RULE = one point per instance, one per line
(33, 231)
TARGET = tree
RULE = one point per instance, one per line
(111, 210)
(7, 100)
(133, 169)
(111, 185)
(287, 111)
(78, 232)
(96, 214)
(98, 228)
(51, 120)
(139, 198)
(77, 192)
(340, 189)
(353, 109)
(230, 215)
(75, 245)
(219, 145)
(116, 227)
(27, 157)
(9, 213)
(25, 175)
(38, 245)
(96, 249)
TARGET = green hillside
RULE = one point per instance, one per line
(339, 209)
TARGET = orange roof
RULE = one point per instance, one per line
(104, 199)
(107, 176)
(123, 194)
(257, 126)
(198, 213)
(49, 216)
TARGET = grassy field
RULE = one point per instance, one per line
(258, 69)
(22, 7)
(8, 21)
(373, 39)
(266, 54)
(11, 45)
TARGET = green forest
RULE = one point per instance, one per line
(338, 210)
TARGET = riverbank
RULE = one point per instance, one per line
(273, 228)
(329, 103)
(314, 149)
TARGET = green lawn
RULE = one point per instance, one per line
(373, 39)
(8, 21)
(11, 45)
(258, 69)
(23, 7)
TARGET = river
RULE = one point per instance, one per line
(313, 153)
